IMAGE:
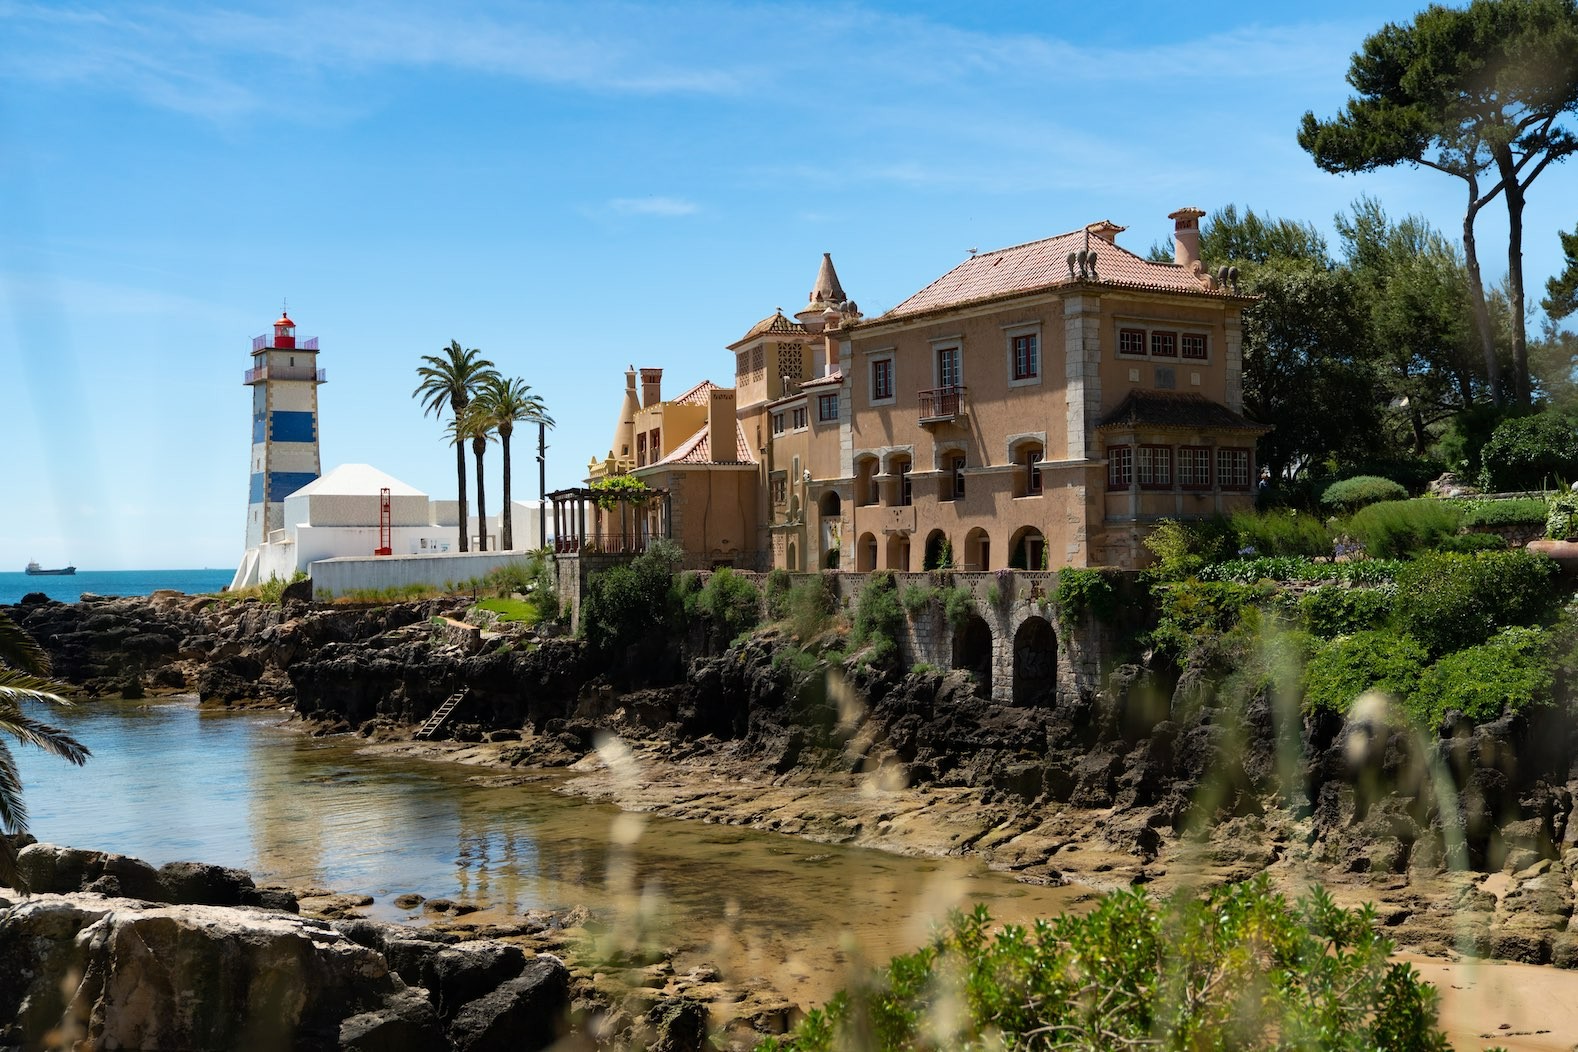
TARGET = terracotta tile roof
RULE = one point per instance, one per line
(777, 325)
(697, 449)
(830, 380)
(1042, 265)
(1176, 409)
(701, 394)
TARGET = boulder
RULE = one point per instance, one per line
(524, 1014)
(189, 977)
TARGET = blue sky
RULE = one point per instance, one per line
(571, 188)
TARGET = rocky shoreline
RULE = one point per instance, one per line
(1143, 781)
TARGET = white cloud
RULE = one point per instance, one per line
(653, 206)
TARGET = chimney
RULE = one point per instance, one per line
(721, 426)
(1107, 230)
(1186, 237)
(651, 387)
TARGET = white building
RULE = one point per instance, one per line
(340, 516)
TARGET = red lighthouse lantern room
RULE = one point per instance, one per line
(284, 332)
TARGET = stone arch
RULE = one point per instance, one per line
(866, 553)
(793, 560)
(899, 552)
(972, 651)
(1035, 662)
(866, 470)
(938, 552)
(1026, 453)
(1026, 548)
(977, 550)
(830, 505)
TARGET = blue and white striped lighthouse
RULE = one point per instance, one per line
(284, 379)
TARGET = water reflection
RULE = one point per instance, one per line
(170, 782)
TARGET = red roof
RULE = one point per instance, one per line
(1042, 265)
(831, 379)
(701, 394)
(697, 449)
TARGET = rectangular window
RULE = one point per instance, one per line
(1193, 344)
(1033, 472)
(827, 407)
(778, 423)
(1120, 467)
(641, 450)
(1027, 356)
(948, 367)
(1164, 345)
(797, 418)
(1232, 468)
(780, 486)
(1194, 467)
(1154, 465)
(956, 475)
(882, 379)
(1131, 341)
(657, 444)
(906, 487)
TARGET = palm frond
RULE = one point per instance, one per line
(13, 810)
(51, 739)
(20, 650)
(16, 685)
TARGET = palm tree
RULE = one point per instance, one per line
(507, 403)
(24, 676)
(448, 380)
(474, 423)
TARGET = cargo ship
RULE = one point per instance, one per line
(35, 570)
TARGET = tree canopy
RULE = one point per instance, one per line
(1484, 93)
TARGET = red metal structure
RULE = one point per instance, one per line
(385, 529)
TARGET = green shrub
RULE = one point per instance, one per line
(810, 606)
(628, 602)
(1360, 491)
(1398, 528)
(1193, 611)
(1084, 591)
(1280, 532)
(1517, 511)
(1348, 666)
(1181, 549)
(1333, 610)
(1299, 568)
(1238, 967)
(879, 618)
(1471, 542)
(1530, 452)
(958, 605)
(730, 601)
(776, 589)
(1454, 601)
(1561, 522)
(1511, 672)
(916, 597)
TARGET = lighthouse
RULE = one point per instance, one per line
(284, 379)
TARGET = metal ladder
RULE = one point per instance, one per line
(440, 714)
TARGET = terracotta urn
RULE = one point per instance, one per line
(1564, 552)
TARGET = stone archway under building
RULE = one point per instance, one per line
(1035, 662)
(972, 651)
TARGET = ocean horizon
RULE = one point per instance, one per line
(70, 588)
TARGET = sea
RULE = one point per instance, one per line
(68, 589)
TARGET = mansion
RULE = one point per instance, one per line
(1036, 407)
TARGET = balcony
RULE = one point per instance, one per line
(284, 372)
(266, 343)
(942, 405)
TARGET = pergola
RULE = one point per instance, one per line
(610, 522)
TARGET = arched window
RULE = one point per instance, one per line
(1027, 549)
(866, 553)
(939, 552)
(977, 550)
(866, 489)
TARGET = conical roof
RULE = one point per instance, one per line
(827, 291)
